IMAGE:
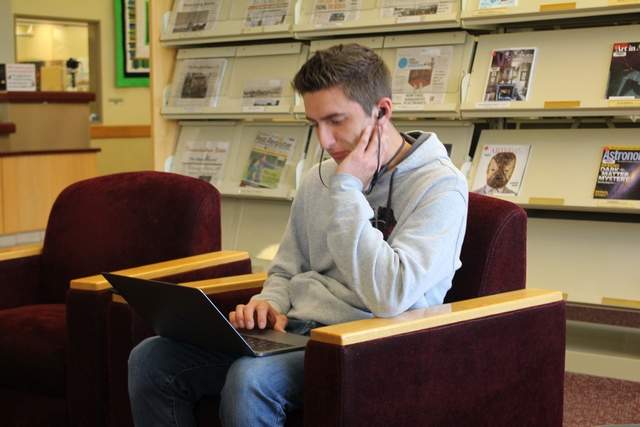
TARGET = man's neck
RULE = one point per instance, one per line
(396, 150)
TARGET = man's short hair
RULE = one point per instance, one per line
(357, 70)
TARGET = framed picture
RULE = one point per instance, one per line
(132, 43)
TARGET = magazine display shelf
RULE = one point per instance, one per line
(232, 23)
(447, 104)
(461, 45)
(371, 17)
(562, 167)
(535, 10)
(240, 137)
(245, 65)
(587, 50)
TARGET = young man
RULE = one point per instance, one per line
(373, 232)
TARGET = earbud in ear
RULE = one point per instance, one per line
(382, 112)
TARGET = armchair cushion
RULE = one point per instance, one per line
(32, 345)
(494, 252)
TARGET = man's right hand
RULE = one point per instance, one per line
(257, 313)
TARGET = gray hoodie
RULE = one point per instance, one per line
(333, 266)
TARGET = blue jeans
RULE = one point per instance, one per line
(167, 378)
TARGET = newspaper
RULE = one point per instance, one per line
(262, 93)
(407, 9)
(267, 160)
(624, 71)
(421, 75)
(510, 72)
(495, 4)
(197, 82)
(203, 160)
(195, 15)
(263, 13)
(335, 12)
(619, 174)
(501, 169)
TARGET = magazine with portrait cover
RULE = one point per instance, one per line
(420, 76)
(618, 174)
(202, 159)
(510, 74)
(501, 169)
(264, 13)
(194, 15)
(267, 160)
(335, 12)
(624, 71)
(495, 4)
(408, 9)
(197, 81)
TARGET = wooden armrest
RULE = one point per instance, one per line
(21, 251)
(230, 283)
(220, 284)
(370, 329)
(161, 269)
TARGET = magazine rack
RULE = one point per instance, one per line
(587, 50)
(247, 70)
(562, 167)
(445, 103)
(371, 16)
(240, 138)
(456, 49)
(235, 20)
(474, 15)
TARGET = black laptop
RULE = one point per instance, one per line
(186, 314)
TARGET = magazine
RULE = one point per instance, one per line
(619, 174)
(509, 77)
(263, 13)
(420, 76)
(267, 160)
(414, 8)
(203, 160)
(624, 71)
(494, 4)
(197, 82)
(501, 169)
(195, 15)
(335, 12)
(262, 93)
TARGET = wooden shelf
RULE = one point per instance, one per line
(49, 97)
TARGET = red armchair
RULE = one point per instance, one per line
(53, 369)
(493, 354)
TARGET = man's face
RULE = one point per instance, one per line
(339, 121)
(499, 175)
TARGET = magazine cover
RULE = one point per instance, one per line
(414, 8)
(197, 82)
(195, 15)
(619, 174)
(264, 13)
(332, 12)
(267, 160)
(421, 74)
(495, 4)
(624, 71)
(501, 169)
(510, 74)
(203, 160)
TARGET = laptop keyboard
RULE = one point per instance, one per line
(260, 344)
